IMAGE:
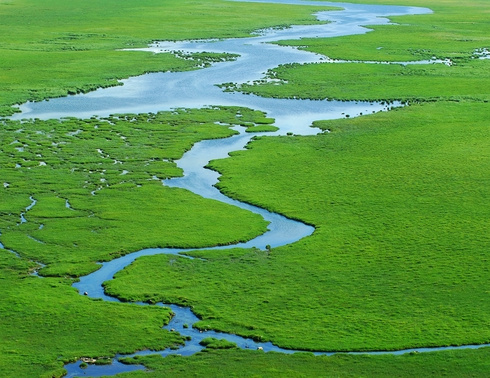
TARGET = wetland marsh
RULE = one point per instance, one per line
(393, 197)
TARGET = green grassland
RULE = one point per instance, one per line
(45, 323)
(242, 363)
(399, 200)
(57, 48)
(399, 257)
(467, 81)
(98, 195)
(454, 31)
(97, 184)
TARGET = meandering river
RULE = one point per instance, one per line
(164, 91)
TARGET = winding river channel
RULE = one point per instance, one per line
(164, 91)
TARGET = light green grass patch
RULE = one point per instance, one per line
(77, 53)
(354, 81)
(247, 363)
(454, 31)
(46, 323)
(98, 191)
(399, 257)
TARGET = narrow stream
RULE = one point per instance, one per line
(165, 91)
(22, 215)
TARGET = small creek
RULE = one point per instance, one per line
(165, 91)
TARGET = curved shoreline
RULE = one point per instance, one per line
(198, 179)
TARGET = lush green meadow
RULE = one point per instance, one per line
(468, 81)
(98, 191)
(246, 363)
(45, 323)
(399, 257)
(399, 200)
(453, 32)
(98, 195)
(55, 48)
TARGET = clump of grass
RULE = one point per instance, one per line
(212, 343)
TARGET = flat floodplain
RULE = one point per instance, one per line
(399, 255)
(399, 200)
(225, 363)
(95, 188)
(81, 51)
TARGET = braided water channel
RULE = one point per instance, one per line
(165, 91)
